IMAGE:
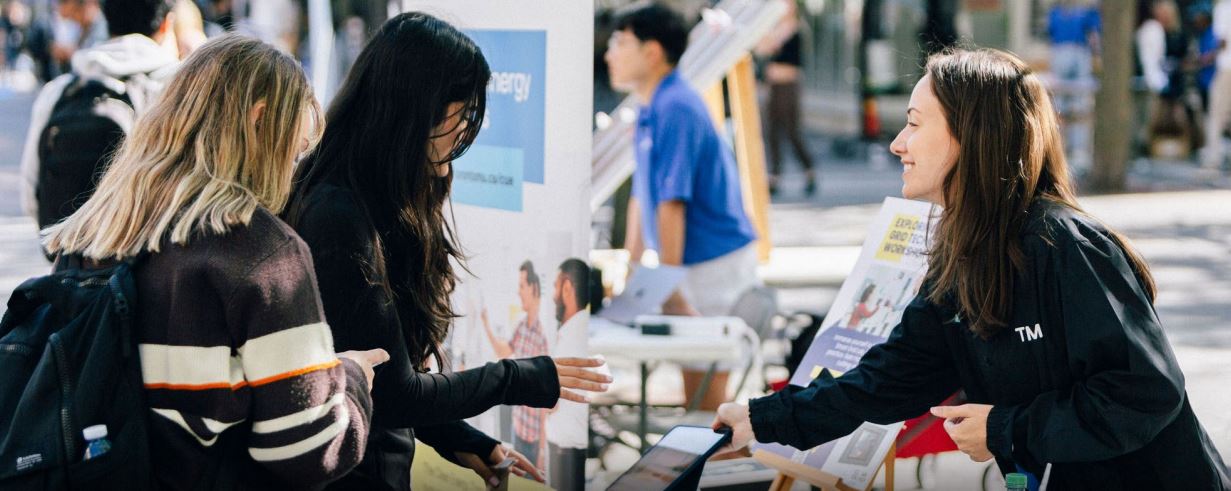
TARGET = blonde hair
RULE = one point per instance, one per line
(198, 161)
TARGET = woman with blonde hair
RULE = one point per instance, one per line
(1040, 313)
(239, 369)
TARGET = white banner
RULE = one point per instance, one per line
(520, 199)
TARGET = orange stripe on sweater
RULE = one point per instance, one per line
(254, 383)
(219, 385)
(295, 373)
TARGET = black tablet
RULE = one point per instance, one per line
(679, 456)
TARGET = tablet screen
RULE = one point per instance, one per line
(679, 449)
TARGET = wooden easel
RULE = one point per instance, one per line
(789, 472)
(749, 146)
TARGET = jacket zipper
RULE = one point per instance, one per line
(16, 348)
(66, 391)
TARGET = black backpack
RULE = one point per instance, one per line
(69, 359)
(86, 126)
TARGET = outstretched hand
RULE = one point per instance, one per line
(578, 374)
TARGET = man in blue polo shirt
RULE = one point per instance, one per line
(686, 200)
(1074, 27)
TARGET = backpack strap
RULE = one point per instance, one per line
(123, 287)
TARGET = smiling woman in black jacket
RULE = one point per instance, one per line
(370, 203)
(1042, 315)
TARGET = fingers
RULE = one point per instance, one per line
(580, 384)
(579, 362)
(569, 395)
(582, 373)
(952, 411)
(527, 470)
(366, 360)
(369, 358)
(524, 464)
(376, 356)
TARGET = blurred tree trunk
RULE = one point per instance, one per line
(1113, 103)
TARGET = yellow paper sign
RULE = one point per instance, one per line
(897, 238)
(816, 372)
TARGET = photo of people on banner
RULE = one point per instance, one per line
(547, 316)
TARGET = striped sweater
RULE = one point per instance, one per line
(239, 366)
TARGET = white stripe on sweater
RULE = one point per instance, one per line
(306, 445)
(301, 418)
(214, 426)
(189, 365)
(267, 356)
(287, 350)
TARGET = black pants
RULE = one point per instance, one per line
(783, 122)
(567, 468)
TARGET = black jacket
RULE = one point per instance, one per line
(406, 403)
(1094, 389)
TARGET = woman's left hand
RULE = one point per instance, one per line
(967, 426)
(522, 467)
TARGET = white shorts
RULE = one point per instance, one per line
(713, 287)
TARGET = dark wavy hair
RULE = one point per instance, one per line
(377, 140)
(1010, 156)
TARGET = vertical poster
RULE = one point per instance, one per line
(509, 149)
(890, 269)
(520, 204)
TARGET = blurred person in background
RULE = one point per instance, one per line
(219, 14)
(1219, 112)
(1152, 52)
(686, 200)
(189, 27)
(15, 26)
(1207, 51)
(1074, 27)
(783, 48)
(277, 22)
(77, 25)
(79, 118)
(1162, 49)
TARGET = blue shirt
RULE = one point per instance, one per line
(681, 157)
(1207, 42)
(1071, 25)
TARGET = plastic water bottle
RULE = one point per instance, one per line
(96, 442)
(1015, 482)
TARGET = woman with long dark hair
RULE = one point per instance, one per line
(1041, 314)
(370, 203)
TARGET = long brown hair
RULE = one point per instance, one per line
(1010, 156)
